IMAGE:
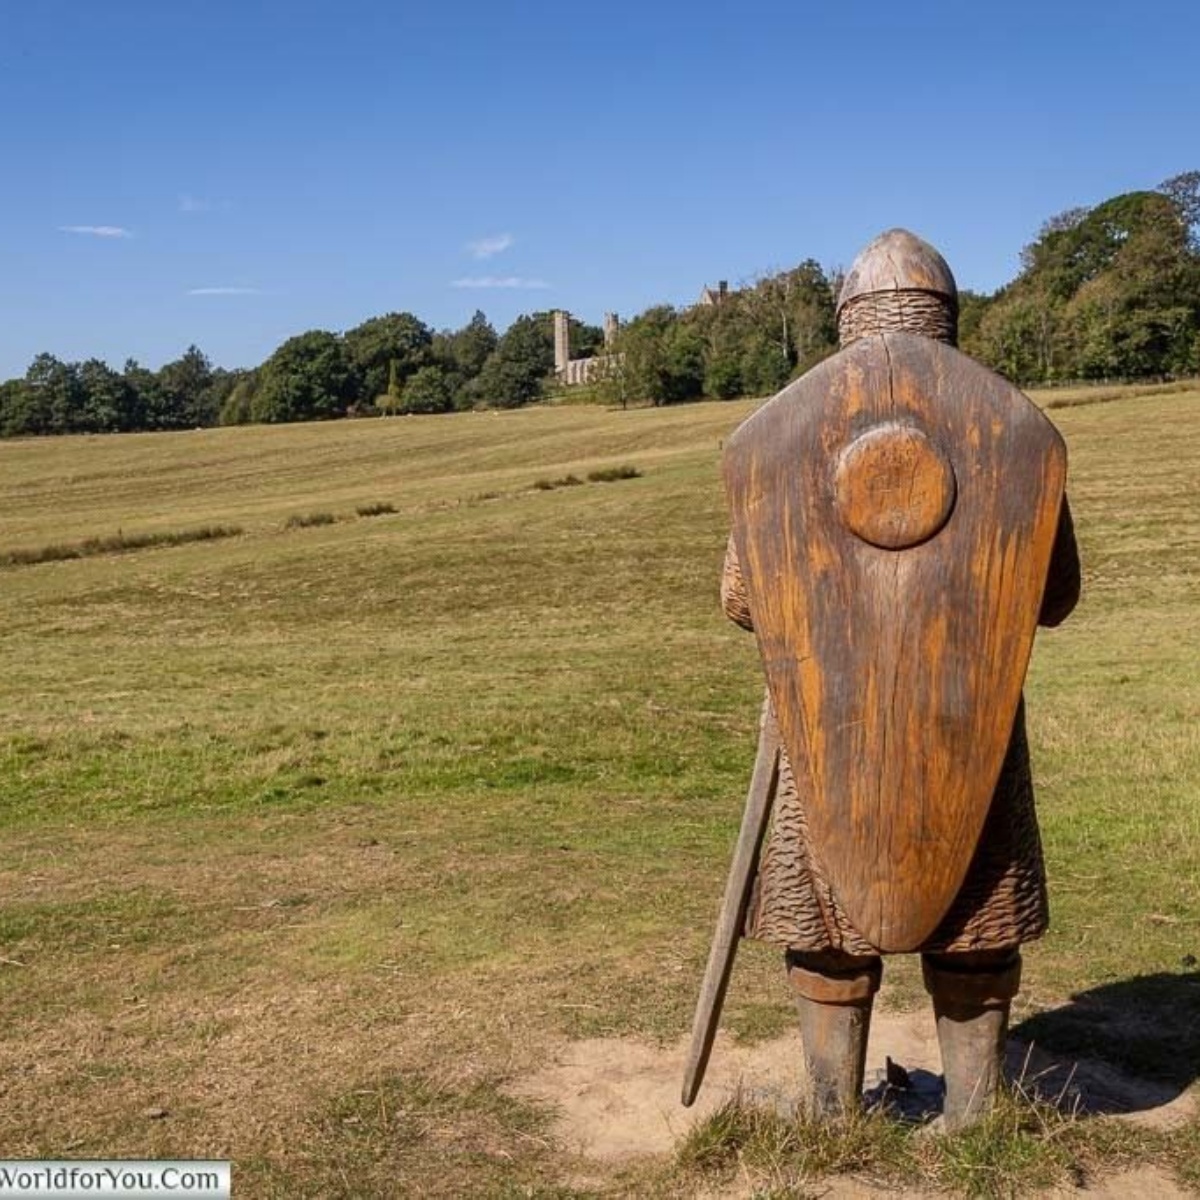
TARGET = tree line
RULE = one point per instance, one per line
(1104, 293)
(389, 364)
(750, 342)
(1110, 292)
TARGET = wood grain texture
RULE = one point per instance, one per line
(895, 673)
(1002, 902)
(898, 261)
(894, 487)
(763, 784)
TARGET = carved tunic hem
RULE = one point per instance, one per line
(1002, 901)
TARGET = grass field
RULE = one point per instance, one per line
(318, 834)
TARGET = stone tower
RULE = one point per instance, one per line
(562, 341)
(611, 325)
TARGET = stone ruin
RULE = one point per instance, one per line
(575, 371)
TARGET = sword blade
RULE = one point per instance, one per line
(733, 908)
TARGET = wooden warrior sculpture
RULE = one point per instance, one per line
(899, 530)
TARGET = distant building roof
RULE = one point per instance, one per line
(713, 296)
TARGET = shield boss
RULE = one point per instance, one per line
(895, 488)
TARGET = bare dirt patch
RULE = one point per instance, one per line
(617, 1099)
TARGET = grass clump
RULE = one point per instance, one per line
(1021, 1147)
(380, 508)
(309, 520)
(1183, 1152)
(118, 543)
(612, 474)
(785, 1151)
(1024, 1146)
(548, 485)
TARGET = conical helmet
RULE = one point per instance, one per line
(898, 261)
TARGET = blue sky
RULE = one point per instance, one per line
(232, 173)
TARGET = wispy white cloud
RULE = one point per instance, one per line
(488, 247)
(198, 204)
(225, 291)
(498, 281)
(100, 231)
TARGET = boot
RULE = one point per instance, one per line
(834, 994)
(972, 994)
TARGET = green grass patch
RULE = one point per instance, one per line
(791, 1150)
(1024, 1147)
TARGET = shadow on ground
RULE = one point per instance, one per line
(1126, 1046)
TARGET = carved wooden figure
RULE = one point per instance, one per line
(900, 528)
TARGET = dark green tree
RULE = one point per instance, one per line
(18, 413)
(186, 387)
(395, 345)
(1107, 292)
(811, 301)
(514, 372)
(428, 390)
(683, 360)
(663, 355)
(108, 402)
(1184, 192)
(237, 406)
(461, 354)
(309, 378)
(642, 345)
(722, 330)
(971, 309)
(584, 340)
(148, 404)
(470, 346)
(723, 369)
(56, 395)
(219, 391)
(764, 366)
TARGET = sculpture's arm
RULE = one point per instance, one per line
(733, 589)
(1062, 582)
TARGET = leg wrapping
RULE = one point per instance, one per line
(972, 994)
(834, 993)
(981, 979)
(830, 977)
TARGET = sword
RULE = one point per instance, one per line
(732, 919)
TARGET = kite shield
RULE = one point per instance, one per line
(894, 512)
